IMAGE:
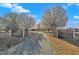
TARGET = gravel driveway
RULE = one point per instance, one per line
(28, 46)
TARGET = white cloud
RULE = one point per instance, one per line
(64, 6)
(70, 4)
(77, 4)
(67, 5)
(19, 9)
(32, 15)
(14, 7)
(76, 17)
(7, 5)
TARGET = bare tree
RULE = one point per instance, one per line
(25, 22)
(53, 18)
(38, 26)
(10, 21)
(2, 24)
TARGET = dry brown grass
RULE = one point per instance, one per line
(62, 47)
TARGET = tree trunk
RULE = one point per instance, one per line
(23, 33)
(10, 33)
(54, 31)
(26, 32)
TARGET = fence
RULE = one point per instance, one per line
(66, 33)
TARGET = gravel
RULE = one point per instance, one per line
(35, 44)
(27, 46)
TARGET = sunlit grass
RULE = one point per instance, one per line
(46, 47)
(62, 47)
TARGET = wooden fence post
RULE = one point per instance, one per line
(57, 32)
(73, 33)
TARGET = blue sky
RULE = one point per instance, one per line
(36, 9)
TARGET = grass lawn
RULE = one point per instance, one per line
(62, 47)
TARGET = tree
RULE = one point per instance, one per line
(11, 23)
(25, 22)
(53, 18)
(2, 24)
(38, 26)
